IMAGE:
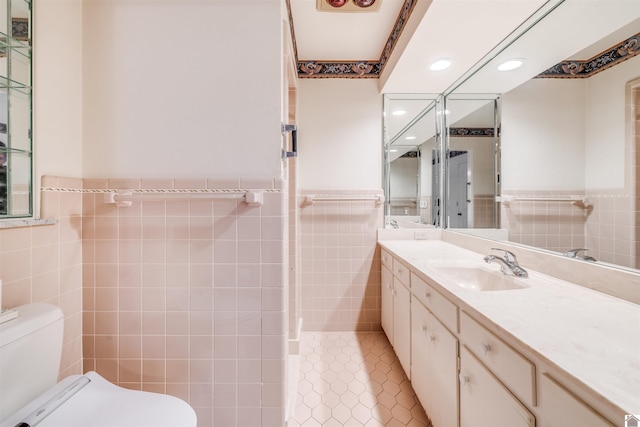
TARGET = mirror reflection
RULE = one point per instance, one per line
(412, 139)
(567, 134)
(473, 131)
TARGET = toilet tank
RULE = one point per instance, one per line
(30, 352)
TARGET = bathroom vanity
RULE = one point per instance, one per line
(486, 349)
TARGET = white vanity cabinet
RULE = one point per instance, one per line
(484, 401)
(434, 366)
(386, 298)
(466, 370)
(396, 301)
(513, 369)
(402, 324)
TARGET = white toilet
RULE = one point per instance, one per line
(30, 352)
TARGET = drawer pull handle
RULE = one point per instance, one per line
(485, 348)
(464, 380)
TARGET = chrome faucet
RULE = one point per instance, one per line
(508, 264)
(573, 253)
(394, 223)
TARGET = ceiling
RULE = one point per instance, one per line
(397, 43)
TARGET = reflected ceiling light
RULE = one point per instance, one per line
(399, 113)
(440, 64)
(510, 64)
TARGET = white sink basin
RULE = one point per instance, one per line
(478, 277)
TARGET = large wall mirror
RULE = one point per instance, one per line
(412, 147)
(566, 133)
(472, 179)
(15, 109)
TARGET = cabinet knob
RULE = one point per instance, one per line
(485, 348)
(427, 294)
(464, 380)
(424, 328)
(432, 338)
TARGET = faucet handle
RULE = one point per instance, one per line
(573, 253)
(508, 255)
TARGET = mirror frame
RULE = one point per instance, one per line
(16, 81)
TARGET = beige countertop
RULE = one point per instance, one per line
(593, 338)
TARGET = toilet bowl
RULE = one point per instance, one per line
(30, 350)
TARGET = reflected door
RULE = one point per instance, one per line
(458, 202)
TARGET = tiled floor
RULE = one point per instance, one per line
(353, 379)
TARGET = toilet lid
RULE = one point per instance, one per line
(99, 403)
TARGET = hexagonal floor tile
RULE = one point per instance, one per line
(363, 381)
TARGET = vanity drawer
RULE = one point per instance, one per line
(512, 368)
(402, 273)
(387, 259)
(442, 308)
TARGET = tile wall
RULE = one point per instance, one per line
(483, 211)
(340, 262)
(44, 264)
(557, 226)
(188, 297)
(605, 227)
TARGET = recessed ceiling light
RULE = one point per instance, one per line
(510, 64)
(399, 113)
(393, 151)
(440, 64)
(410, 137)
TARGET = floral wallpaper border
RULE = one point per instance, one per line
(356, 68)
(583, 69)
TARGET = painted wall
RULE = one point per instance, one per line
(167, 94)
(339, 134)
(57, 95)
(340, 154)
(570, 131)
(404, 178)
(543, 127)
(605, 125)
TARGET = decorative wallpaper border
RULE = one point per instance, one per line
(357, 68)
(462, 132)
(372, 68)
(583, 69)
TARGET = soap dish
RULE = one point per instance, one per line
(8, 314)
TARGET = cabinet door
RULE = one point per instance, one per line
(419, 354)
(434, 366)
(442, 365)
(387, 303)
(484, 401)
(562, 408)
(402, 325)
